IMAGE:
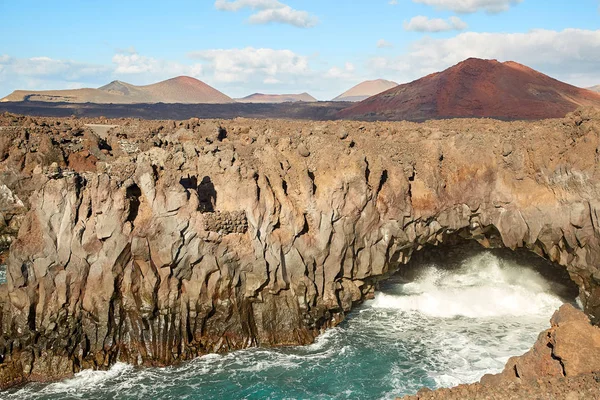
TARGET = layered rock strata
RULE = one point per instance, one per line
(156, 242)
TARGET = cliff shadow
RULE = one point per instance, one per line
(205, 189)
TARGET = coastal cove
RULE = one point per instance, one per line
(182, 251)
(457, 320)
(300, 200)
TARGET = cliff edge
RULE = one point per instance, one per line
(153, 242)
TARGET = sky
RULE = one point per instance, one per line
(322, 47)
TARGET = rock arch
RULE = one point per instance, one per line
(84, 292)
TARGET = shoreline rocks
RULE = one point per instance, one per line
(211, 236)
(564, 363)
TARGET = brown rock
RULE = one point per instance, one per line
(82, 161)
(303, 150)
(569, 348)
(166, 253)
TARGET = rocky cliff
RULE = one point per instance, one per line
(156, 242)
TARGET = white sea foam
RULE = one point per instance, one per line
(484, 286)
(89, 378)
(465, 322)
(76, 386)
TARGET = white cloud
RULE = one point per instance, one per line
(384, 44)
(571, 55)
(239, 72)
(471, 6)
(44, 73)
(271, 81)
(48, 67)
(270, 11)
(236, 72)
(248, 64)
(284, 15)
(345, 73)
(393, 2)
(131, 63)
(424, 24)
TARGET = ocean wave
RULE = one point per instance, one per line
(483, 287)
(76, 387)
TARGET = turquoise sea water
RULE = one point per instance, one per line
(442, 329)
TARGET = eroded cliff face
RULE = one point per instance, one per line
(156, 242)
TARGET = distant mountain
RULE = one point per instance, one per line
(476, 88)
(595, 88)
(277, 98)
(182, 89)
(365, 90)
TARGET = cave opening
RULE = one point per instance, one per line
(222, 134)
(133, 194)
(452, 257)
(455, 312)
(104, 145)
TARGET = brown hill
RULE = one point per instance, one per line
(277, 98)
(182, 89)
(476, 88)
(366, 89)
(595, 88)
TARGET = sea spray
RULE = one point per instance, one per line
(445, 327)
(483, 287)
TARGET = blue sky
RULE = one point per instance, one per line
(275, 46)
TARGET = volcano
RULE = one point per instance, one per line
(365, 89)
(277, 98)
(182, 89)
(476, 88)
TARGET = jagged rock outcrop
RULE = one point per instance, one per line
(564, 363)
(570, 347)
(184, 238)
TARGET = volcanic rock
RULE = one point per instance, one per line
(183, 238)
(476, 88)
(569, 348)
